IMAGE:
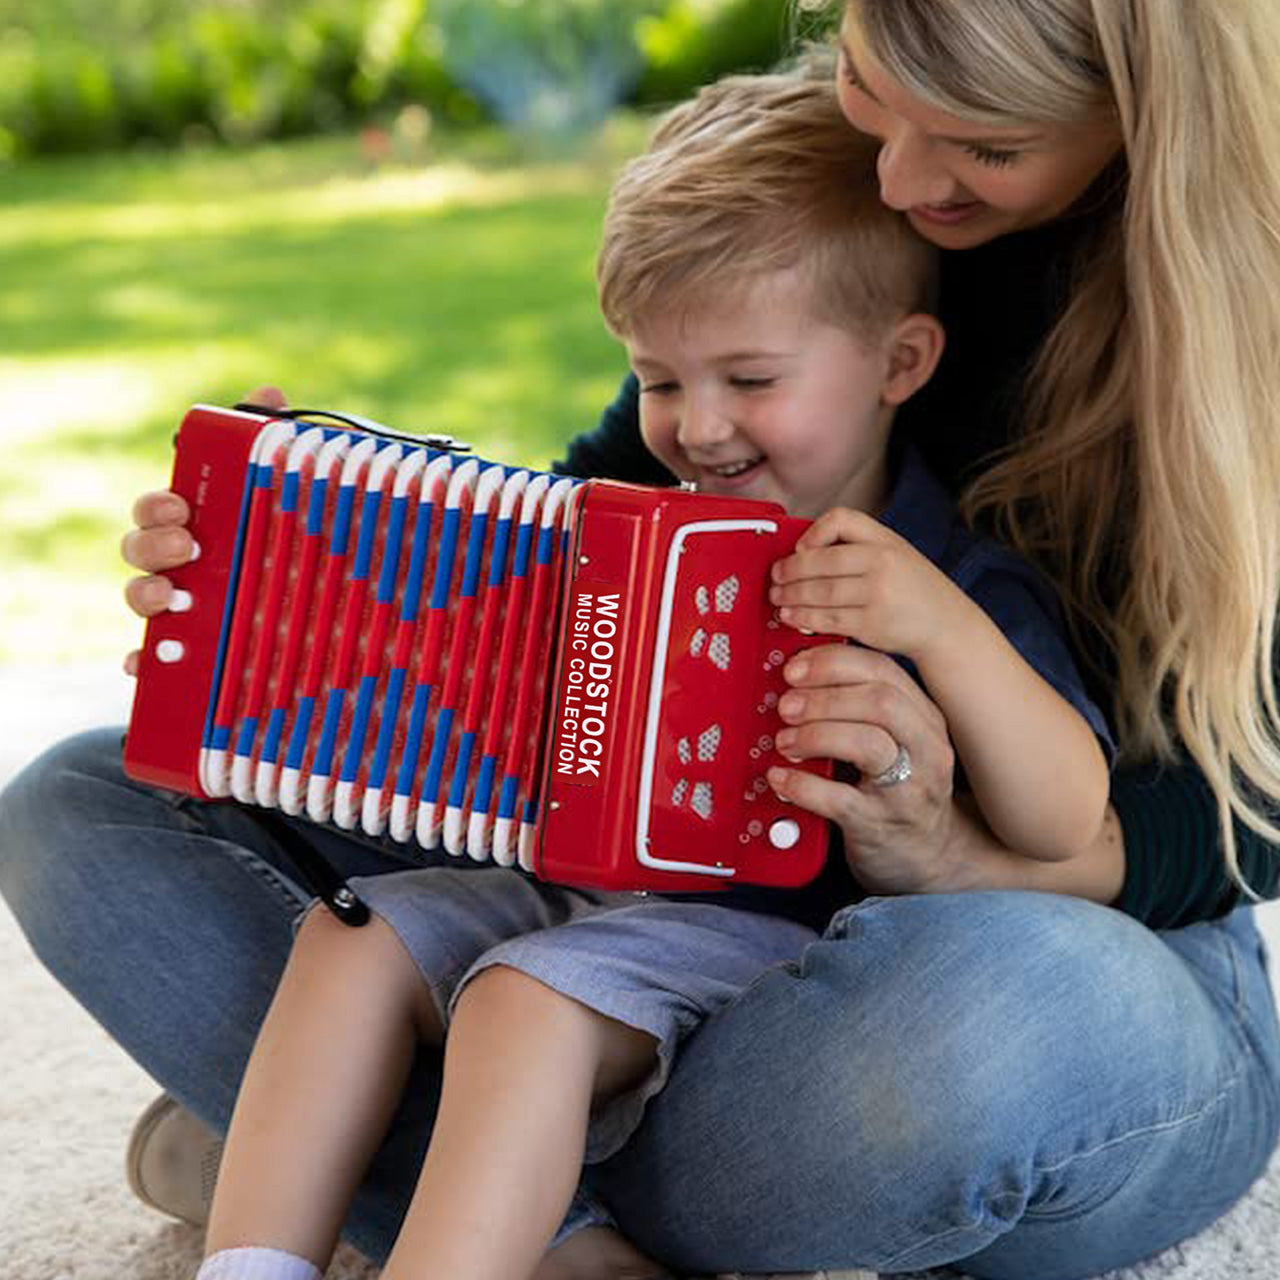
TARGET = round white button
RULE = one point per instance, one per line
(180, 601)
(784, 833)
(170, 650)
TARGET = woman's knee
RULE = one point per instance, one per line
(48, 822)
(955, 1023)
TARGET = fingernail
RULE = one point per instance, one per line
(195, 551)
(792, 704)
(797, 669)
(775, 594)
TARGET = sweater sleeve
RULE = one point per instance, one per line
(614, 450)
(1174, 871)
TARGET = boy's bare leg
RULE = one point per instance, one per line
(523, 1065)
(324, 1078)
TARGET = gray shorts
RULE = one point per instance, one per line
(656, 964)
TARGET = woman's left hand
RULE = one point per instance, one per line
(859, 707)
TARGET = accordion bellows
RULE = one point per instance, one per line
(576, 677)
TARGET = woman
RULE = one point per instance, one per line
(960, 1071)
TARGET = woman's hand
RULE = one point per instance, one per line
(858, 707)
(160, 541)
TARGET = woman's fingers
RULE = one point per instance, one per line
(131, 660)
(888, 692)
(827, 797)
(870, 748)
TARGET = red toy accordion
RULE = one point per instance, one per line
(576, 677)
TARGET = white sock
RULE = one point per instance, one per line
(256, 1264)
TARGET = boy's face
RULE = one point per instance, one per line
(752, 396)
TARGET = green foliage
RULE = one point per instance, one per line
(692, 43)
(89, 75)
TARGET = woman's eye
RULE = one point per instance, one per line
(658, 388)
(751, 384)
(847, 72)
(993, 156)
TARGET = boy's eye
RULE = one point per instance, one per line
(751, 384)
(658, 388)
(993, 156)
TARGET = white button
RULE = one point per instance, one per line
(784, 833)
(180, 601)
(170, 650)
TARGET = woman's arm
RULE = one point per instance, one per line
(1175, 871)
(1031, 759)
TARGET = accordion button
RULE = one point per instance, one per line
(170, 650)
(180, 601)
(784, 833)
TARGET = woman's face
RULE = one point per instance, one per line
(960, 183)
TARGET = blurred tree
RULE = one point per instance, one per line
(554, 66)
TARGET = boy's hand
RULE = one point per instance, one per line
(161, 541)
(851, 576)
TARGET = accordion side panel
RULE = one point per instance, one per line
(181, 650)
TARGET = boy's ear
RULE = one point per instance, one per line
(915, 346)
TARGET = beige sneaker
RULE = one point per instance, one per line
(172, 1161)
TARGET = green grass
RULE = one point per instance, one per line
(450, 290)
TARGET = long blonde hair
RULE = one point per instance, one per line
(1147, 480)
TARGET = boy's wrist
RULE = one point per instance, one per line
(960, 626)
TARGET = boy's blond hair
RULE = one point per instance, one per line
(759, 174)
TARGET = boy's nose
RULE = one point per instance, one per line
(910, 174)
(702, 425)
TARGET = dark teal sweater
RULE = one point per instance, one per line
(998, 303)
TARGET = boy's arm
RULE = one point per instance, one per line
(1034, 763)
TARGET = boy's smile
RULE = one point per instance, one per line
(755, 397)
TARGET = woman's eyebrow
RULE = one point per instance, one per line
(851, 72)
(1017, 140)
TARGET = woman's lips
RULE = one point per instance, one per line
(947, 214)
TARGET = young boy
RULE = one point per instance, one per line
(773, 311)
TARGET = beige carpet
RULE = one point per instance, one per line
(68, 1096)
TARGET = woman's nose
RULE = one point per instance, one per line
(909, 173)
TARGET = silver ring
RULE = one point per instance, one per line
(898, 771)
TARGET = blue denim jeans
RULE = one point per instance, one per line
(1020, 1083)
